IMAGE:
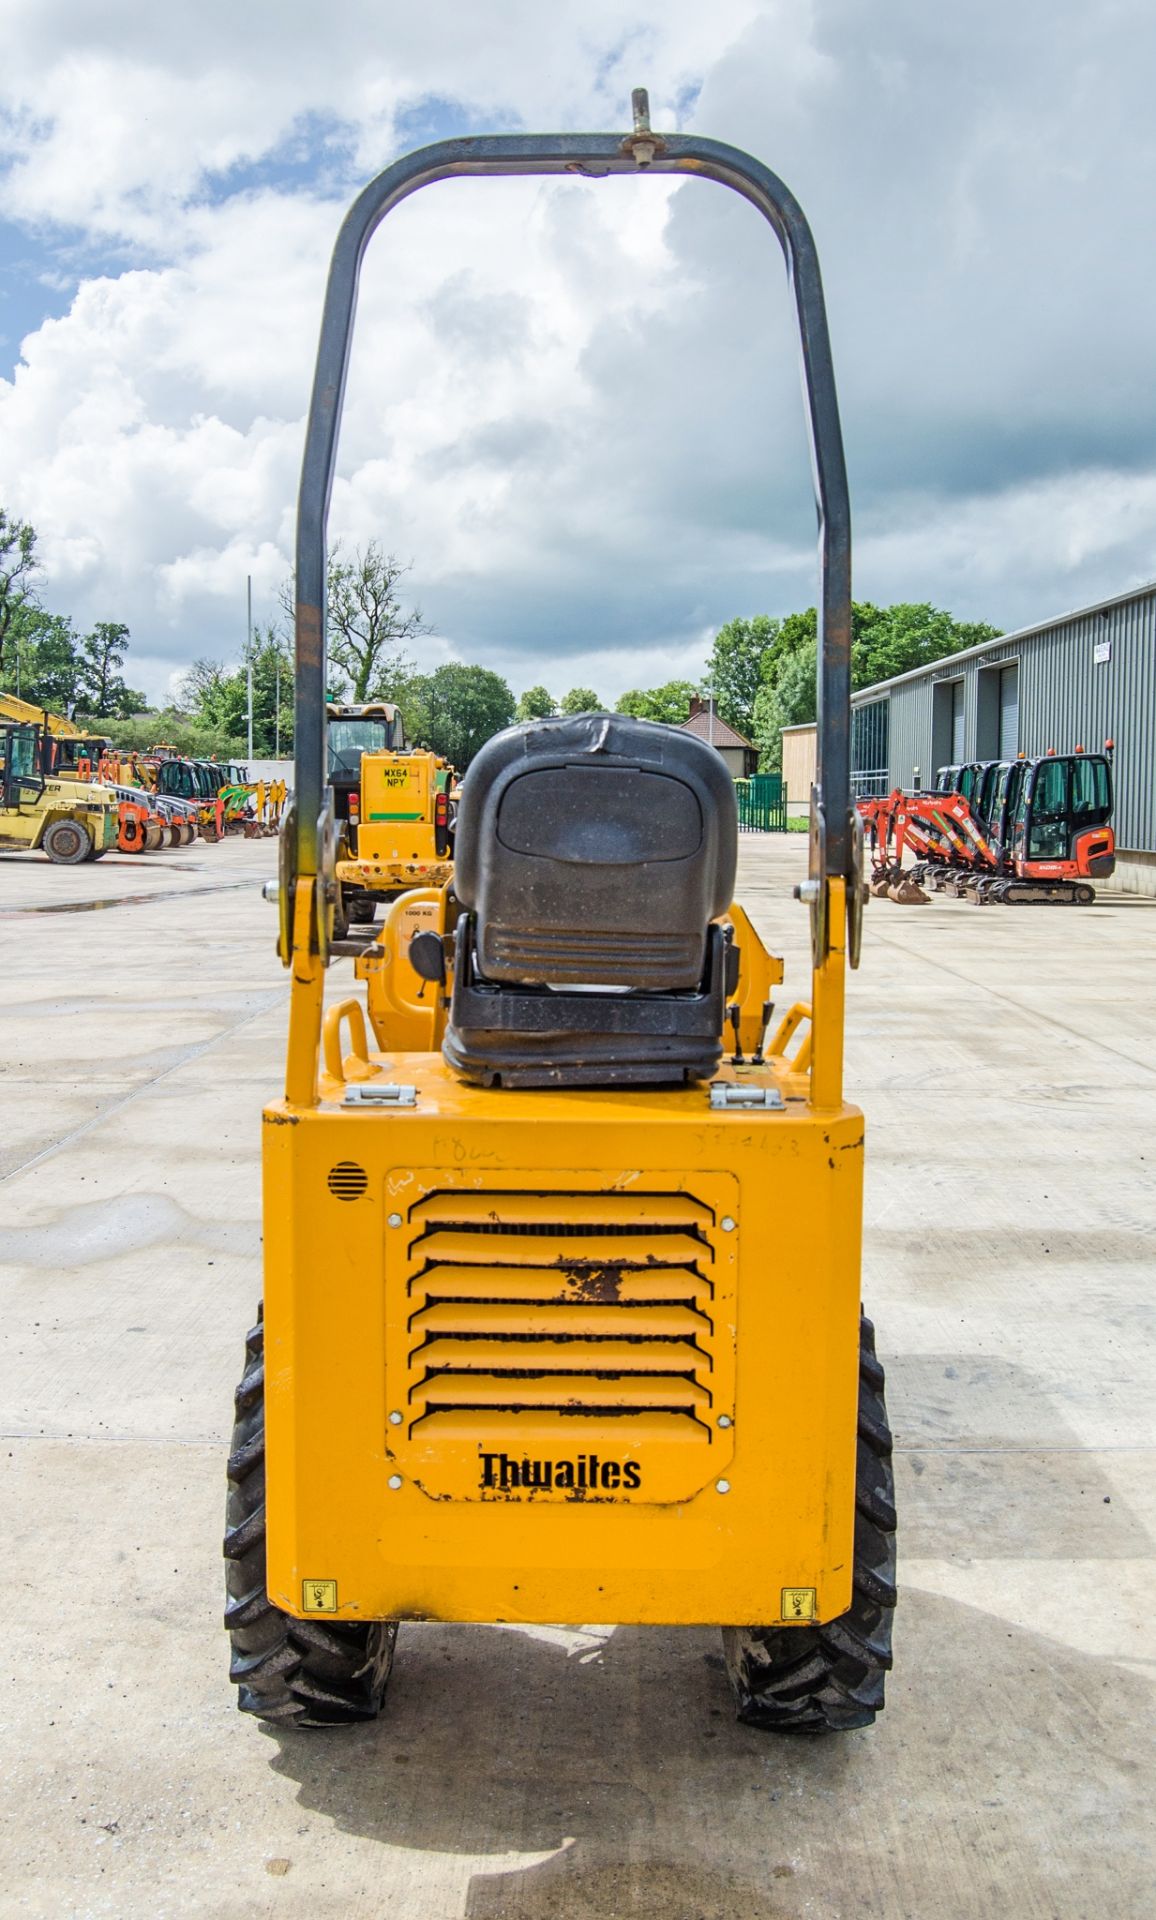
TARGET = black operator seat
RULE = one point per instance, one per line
(592, 854)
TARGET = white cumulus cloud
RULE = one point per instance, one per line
(574, 405)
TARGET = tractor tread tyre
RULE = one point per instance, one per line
(830, 1678)
(67, 843)
(297, 1673)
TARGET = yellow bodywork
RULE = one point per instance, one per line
(558, 1354)
(92, 807)
(397, 839)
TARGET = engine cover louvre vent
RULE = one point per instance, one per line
(347, 1181)
(594, 1323)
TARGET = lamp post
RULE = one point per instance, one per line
(249, 654)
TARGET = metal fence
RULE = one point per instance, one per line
(872, 781)
(762, 803)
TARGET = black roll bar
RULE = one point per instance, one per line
(588, 155)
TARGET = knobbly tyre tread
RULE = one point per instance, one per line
(830, 1678)
(299, 1673)
(75, 839)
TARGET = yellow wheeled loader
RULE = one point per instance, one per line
(561, 1316)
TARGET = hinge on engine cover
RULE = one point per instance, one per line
(725, 1095)
(379, 1093)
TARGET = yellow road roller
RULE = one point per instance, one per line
(561, 1317)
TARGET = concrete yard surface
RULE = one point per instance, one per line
(1006, 1062)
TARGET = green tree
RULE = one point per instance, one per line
(18, 563)
(890, 640)
(787, 700)
(272, 695)
(536, 704)
(368, 628)
(580, 700)
(102, 693)
(669, 703)
(217, 697)
(734, 668)
(884, 641)
(456, 709)
(188, 733)
(44, 663)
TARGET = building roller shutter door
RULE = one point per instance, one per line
(1009, 712)
(957, 722)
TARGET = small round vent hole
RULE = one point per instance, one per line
(347, 1181)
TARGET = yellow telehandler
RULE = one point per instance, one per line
(561, 1317)
(397, 833)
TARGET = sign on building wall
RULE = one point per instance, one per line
(1101, 652)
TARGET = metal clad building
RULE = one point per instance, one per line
(1085, 678)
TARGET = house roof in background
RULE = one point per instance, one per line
(714, 730)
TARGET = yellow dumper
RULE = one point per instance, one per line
(562, 1317)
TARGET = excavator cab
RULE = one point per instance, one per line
(561, 1316)
(1062, 817)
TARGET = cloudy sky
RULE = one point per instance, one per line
(574, 406)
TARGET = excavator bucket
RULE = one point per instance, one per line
(907, 892)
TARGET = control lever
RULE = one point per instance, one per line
(757, 1055)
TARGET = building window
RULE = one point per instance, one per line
(870, 767)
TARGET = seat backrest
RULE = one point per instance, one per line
(595, 850)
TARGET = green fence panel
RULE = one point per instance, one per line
(762, 803)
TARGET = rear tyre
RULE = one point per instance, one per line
(828, 1679)
(67, 843)
(361, 909)
(297, 1673)
(340, 913)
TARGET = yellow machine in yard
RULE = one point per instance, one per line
(561, 1316)
(399, 836)
(69, 820)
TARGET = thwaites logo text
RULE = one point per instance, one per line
(585, 1473)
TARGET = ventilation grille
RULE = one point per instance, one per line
(347, 1181)
(573, 1307)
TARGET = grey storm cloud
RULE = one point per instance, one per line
(978, 180)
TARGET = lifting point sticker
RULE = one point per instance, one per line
(319, 1596)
